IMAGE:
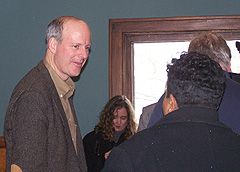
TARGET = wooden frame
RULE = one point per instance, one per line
(2, 153)
(2, 142)
(124, 32)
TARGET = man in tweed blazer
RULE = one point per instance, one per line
(41, 127)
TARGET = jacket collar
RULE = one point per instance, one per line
(192, 114)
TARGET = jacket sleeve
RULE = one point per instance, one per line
(29, 133)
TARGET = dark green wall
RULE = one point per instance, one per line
(22, 30)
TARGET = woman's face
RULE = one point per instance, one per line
(120, 119)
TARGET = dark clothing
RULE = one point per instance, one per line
(157, 112)
(36, 129)
(96, 147)
(229, 111)
(188, 139)
(235, 76)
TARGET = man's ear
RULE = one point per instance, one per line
(173, 103)
(52, 45)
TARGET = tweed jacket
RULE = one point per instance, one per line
(145, 116)
(36, 130)
(188, 139)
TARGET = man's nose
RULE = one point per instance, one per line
(83, 52)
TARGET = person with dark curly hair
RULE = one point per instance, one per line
(189, 137)
(116, 124)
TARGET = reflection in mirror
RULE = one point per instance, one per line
(150, 76)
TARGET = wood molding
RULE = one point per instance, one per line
(2, 142)
(2, 154)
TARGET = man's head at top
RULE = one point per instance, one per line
(68, 42)
(194, 80)
(214, 46)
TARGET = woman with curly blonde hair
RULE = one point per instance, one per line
(116, 124)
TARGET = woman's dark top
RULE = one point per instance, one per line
(95, 148)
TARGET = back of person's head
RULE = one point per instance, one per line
(214, 46)
(106, 117)
(196, 80)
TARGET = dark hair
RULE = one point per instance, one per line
(214, 46)
(196, 80)
(105, 124)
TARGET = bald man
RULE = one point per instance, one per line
(41, 127)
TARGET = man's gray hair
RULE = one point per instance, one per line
(55, 28)
(212, 45)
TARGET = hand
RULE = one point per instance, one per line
(107, 154)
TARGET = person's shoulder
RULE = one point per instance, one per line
(232, 84)
(140, 138)
(32, 81)
(92, 133)
(89, 136)
(34, 76)
(235, 76)
(149, 107)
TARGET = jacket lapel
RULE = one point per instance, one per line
(57, 102)
(80, 148)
